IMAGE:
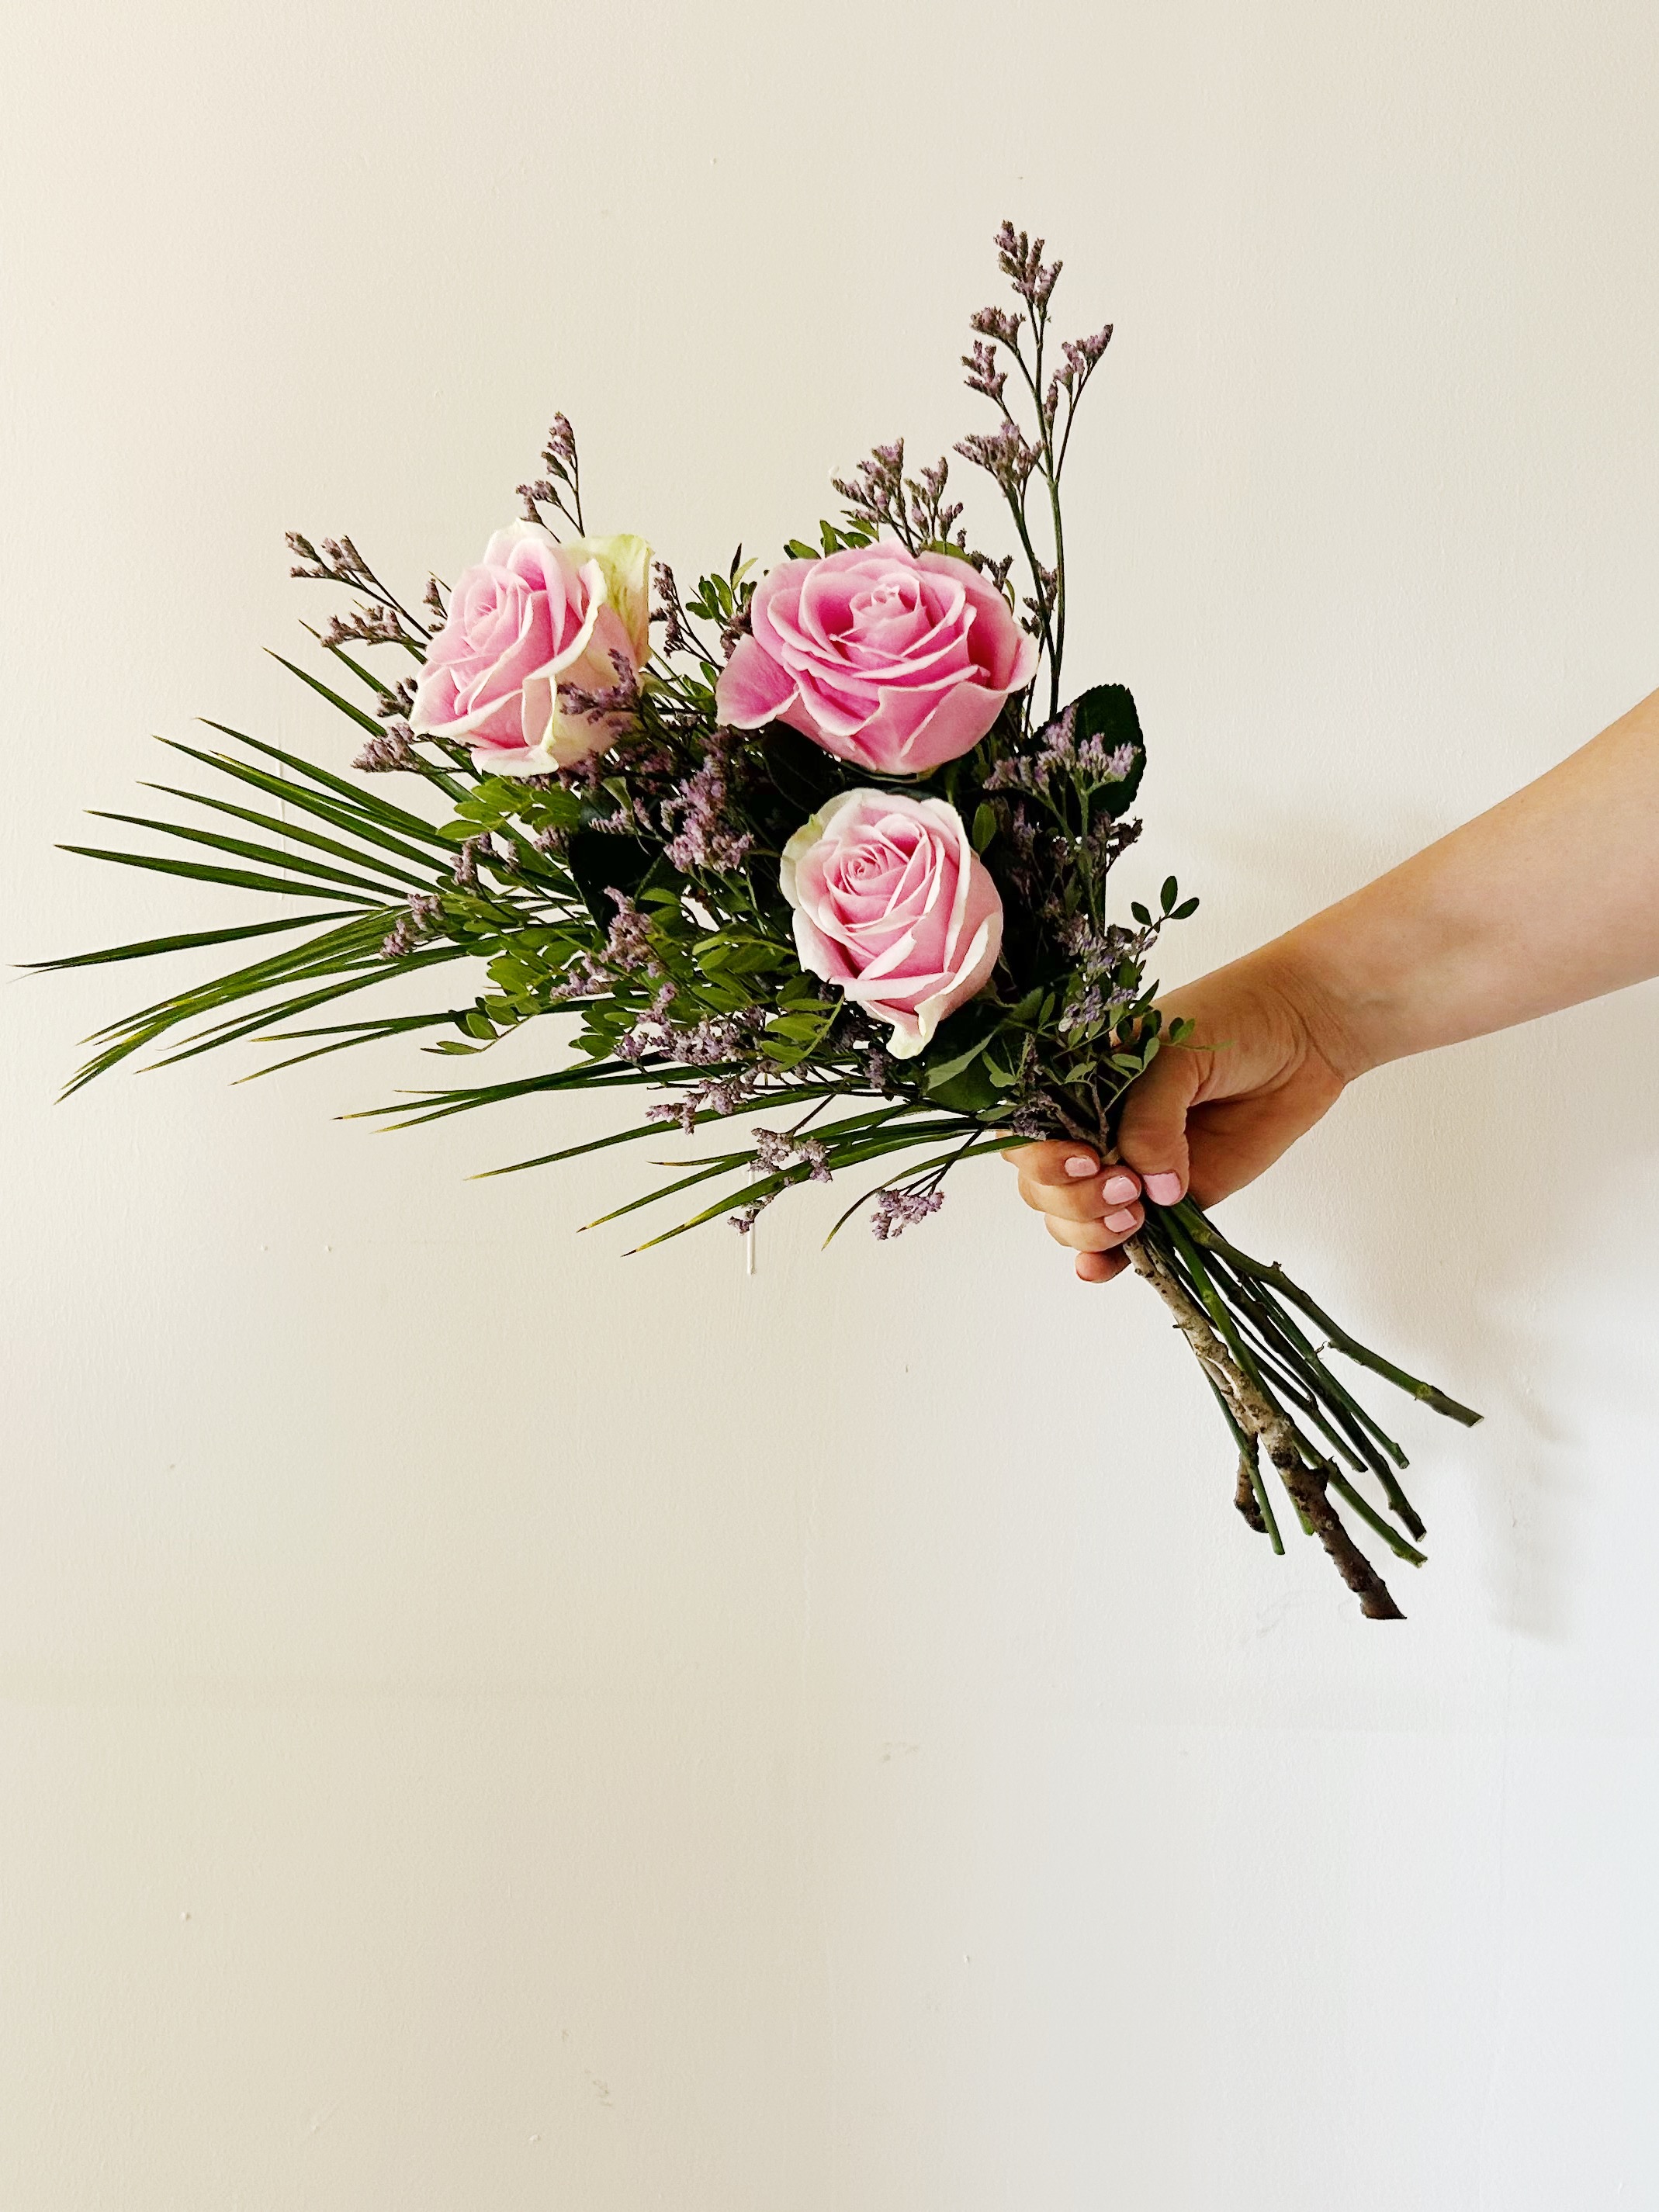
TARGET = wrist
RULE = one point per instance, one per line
(1345, 1018)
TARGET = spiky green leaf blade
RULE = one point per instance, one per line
(243, 848)
(237, 879)
(187, 943)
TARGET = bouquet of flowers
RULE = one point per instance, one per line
(832, 848)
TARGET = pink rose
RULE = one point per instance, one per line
(893, 905)
(533, 616)
(899, 661)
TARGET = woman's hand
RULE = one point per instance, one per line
(1207, 1116)
(1496, 924)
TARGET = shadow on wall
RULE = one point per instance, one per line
(1488, 1212)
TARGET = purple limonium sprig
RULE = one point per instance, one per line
(559, 490)
(423, 917)
(777, 1151)
(896, 1211)
(392, 748)
(706, 834)
(721, 1094)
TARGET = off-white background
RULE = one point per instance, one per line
(489, 1724)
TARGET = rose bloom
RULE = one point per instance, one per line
(532, 616)
(893, 905)
(897, 660)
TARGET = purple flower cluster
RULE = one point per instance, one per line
(705, 833)
(715, 1042)
(388, 749)
(560, 489)
(777, 1151)
(1060, 753)
(1006, 454)
(421, 918)
(896, 1211)
(914, 508)
(720, 1094)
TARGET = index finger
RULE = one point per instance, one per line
(1060, 1162)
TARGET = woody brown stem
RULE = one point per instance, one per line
(1259, 1417)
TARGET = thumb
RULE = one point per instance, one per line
(1151, 1134)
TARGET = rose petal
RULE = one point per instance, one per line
(753, 688)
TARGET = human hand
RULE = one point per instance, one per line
(1207, 1116)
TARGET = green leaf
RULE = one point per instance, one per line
(970, 1092)
(1108, 712)
(985, 825)
(239, 878)
(1170, 892)
(241, 848)
(184, 943)
(362, 799)
(342, 814)
(1188, 906)
(1140, 913)
(289, 831)
(948, 1071)
(368, 722)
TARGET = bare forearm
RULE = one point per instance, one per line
(1550, 898)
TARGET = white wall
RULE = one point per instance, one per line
(485, 1723)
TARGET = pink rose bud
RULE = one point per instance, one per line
(893, 905)
(534, 619)
(897, 660)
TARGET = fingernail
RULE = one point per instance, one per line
(1124, 1220)
(1117, 1188)
(1163, 1190)
(1079, 1166)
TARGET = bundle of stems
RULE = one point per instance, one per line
(1275, 1389)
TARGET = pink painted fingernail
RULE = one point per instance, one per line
(1079, 1166)
(1117, 1188)
(1163, 1190)
(1126, 1219)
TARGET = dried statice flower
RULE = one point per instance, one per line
(432, 598)
(914, 508)
(421, 918)
(1005, 454)
(778, 1150)
(372, 625)
(716, 1041)
(388, 748)
(627, 944)
(337, 561)
(560, 489)
(465, 872)
(983, 374)
(618, 704)
(1021, 264)
(670, 610)
(896, 1211)
(997, 323)
(1060, 752)
(1082, 357)
(721, 1094)
(396, 702)
(705, 832)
